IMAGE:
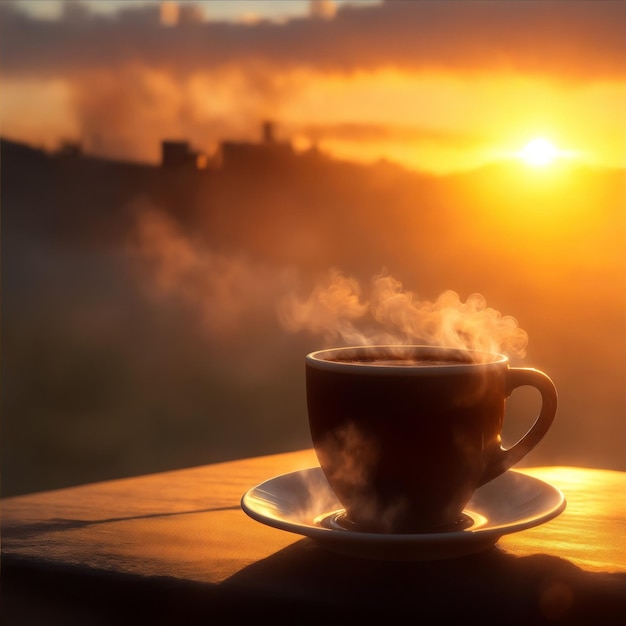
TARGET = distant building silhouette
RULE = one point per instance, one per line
(247, 152)
(70, 149)
(268, 132)
(176, 154)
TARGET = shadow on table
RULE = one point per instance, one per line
(305, 584)
(493, 587)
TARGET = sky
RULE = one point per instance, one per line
(434, 85)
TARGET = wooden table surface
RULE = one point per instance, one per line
(176, 548)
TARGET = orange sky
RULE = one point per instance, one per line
(434, 85)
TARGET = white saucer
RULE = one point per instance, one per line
(302, 502)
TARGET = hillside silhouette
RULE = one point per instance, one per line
(140, 326)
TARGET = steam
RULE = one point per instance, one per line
(347, 456)
(224, 292)
(331, 310)
(392, 315)
(227, 292)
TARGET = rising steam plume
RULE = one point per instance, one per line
(227, 291)
(339, 312)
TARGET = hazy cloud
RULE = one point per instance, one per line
(150, 72)
(576, 40)
(352, 131)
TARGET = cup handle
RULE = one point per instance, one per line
(503, 459)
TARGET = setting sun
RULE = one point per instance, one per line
(539, 152)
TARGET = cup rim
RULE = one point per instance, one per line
(471, 359)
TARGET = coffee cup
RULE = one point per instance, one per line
(406, 434)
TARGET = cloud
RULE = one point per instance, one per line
(402, 133)
(146, 73)
(572, 40)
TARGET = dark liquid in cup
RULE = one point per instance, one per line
(395, 362)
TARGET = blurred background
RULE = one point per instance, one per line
(196, 194)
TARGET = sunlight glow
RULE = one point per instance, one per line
(539, 152)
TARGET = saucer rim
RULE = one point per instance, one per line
(482, 537)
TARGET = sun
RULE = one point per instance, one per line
(539, 152)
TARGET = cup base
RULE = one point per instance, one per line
(339, 520)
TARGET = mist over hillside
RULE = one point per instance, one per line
(141, 321)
